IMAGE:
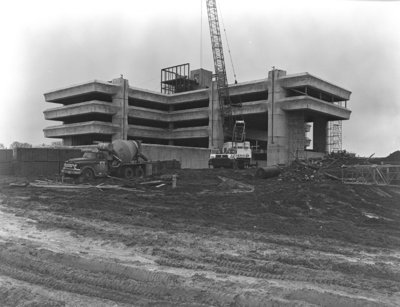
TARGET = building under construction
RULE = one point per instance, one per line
(278, 112)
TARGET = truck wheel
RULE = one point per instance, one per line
(87, 174)
(128, 173)
(139, 172)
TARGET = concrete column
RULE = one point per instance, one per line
(215, 127)
(277, 151)
(170, 125)
(120, 100)
(320, 134)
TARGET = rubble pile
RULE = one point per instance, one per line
(394, 156)
(301, 171)
(318, 170)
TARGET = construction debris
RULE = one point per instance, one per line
(343, 167)
(301, 171)
(19, 184)
(151, 182)
(101, 186)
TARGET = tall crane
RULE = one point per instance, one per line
(225, 103)
(237, 153)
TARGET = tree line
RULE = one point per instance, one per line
(27, 145)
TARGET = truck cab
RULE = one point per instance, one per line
(92, 164)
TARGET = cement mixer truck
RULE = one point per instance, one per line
(119, 158)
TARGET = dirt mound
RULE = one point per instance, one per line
(394, 156)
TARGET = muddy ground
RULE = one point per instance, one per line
(210, 242)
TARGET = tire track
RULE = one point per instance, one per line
(270, 270)
(117, 287)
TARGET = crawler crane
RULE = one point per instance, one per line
(237, 152)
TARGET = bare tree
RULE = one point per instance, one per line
(57, 143)
(16, 144)
(2, 146)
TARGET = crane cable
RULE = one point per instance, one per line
(201, 33)
(227, 44)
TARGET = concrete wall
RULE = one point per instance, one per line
(94, 86)
(306, 79)
(41, 161)
(189, 157)
(88, 107)
(6, 157)
(307, 103)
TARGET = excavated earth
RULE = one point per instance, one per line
(221, 238)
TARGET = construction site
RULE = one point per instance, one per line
(203, 193)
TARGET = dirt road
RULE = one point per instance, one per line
(213, 241)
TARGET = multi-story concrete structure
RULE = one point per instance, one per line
(276, 111)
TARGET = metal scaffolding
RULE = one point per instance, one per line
(334, 136)
(386, 174)
(176, 79)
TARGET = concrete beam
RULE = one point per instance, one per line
(178, 98)
(201, 94)
(307, 103)
(248, 87)
(81, 89)
(165, 116)
(148, 132)
(92, 127)
(254, 107)
(147, 95)
(170, 99)
(192, 132)
(190, 114)
(94, 106)
(305, 79)
(160, 133)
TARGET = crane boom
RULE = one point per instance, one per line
(219, 61)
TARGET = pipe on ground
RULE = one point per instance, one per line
(268, 172)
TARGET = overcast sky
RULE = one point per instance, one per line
(47, 45)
